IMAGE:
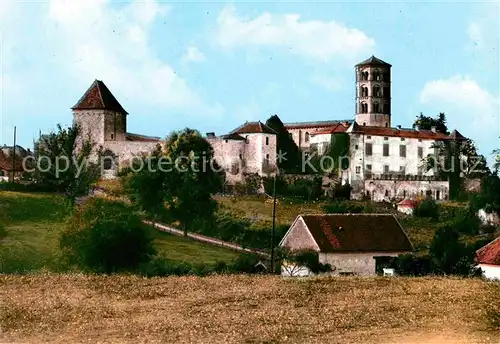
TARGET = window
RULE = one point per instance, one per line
(387, 193)
(241, 156)
(376, 108)
(267, 141)
(386, 125)
(369, 168)
(364, 76)
(364, 91)
(225, 141)
(437, 195)
(386, 169)
(368, 137)
(376, 76)
(306, 137)
(402, 151)
(420, 152)
(358, 169)
(112, 136)
(267, 156)
(404, 193)
(364, 108)
(368, 148)
(402, 169)
(355, 146)
(402, 139)
(386, 138)
(246, 139)
(376, 91)
(386, 149)
(364, 124)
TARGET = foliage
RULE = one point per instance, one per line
(281, 185)
(489, 195)
(63, 175)
(3, 232)
(342, 208)
(301, 258)
(427, 208)
(340, 192)
(338, 150)
(306, 188)
(449, 255)
(426, 122)
(411, 265)
(252, 183)
(106, 236)
(285, 144)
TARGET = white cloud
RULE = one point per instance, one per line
(321, 40)
(471, 109)
(104, 41)
(193, 54)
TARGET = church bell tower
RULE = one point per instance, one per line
(373, 93)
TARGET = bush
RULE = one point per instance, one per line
(26, 187)
(340, 192)
(281, 185)
(106, 236)
(3, 232)
(342, 208)
(427, 208)
(410, 265)
(306, 188)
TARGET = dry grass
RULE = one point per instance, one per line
(244, 309)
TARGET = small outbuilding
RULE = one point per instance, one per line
(488, 259)
(352, 244)
(407, 206)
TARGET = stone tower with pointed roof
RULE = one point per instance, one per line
(373, 93)
(100, 115)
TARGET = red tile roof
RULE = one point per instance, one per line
(6, 162)
(99, 97)
(490, 253)
(408, 203)
(396, 132)
(357, 233)
(252, 128)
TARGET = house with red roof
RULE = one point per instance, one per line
(12, 166)
(488, 259)
(353, 244)
(407, 206)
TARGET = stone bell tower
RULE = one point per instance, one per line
(373, 93)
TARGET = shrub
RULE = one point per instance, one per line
(253, 183)
(245, 263)
(306, 188)
(340, 192)
(106, 236)
(281, 185)
(342, 208)
(3, 232)
(427, 208)
(411, 265)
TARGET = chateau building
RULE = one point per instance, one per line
(385, 162)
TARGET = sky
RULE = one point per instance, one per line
(214, 65)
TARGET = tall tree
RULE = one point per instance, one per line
(285, 144)
(64, 162)
(427, 122)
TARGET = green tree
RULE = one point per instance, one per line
(106, 236)
(64, 162)
(291, 162)
(426, 122)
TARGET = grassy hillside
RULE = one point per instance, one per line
(33, 223)
(244, 309)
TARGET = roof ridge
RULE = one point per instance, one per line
(99, 90)
(488, 244)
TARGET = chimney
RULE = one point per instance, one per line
(433, 129)
(210, 135)
(399, 127)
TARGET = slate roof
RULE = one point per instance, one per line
(490, 253)
(99, 97)
(403, 132)
(138, 137)
(357, 233)
(373, 61)
(455, 135)
(233, 136)
(252, 128)
(315, 124)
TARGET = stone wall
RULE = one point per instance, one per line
(114, 126)
(230, 155)
(91, 124)
(385, 190)
(361, 264)
(126, 150)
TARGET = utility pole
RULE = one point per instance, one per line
(14, 157)
(274, 223)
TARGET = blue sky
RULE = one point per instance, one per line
(213, 65)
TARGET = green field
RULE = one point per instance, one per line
(33, 222)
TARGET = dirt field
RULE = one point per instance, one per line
(244, 309)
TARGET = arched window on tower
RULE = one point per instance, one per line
(364, 91)
(376, 108)
(364, 76)
(386, 124)
(364, 108)
(376, 75)
(376, 91)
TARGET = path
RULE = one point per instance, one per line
(205, 239)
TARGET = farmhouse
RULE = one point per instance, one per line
(488, 259)
(353, 244)
(407, 206)
(7, 163)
